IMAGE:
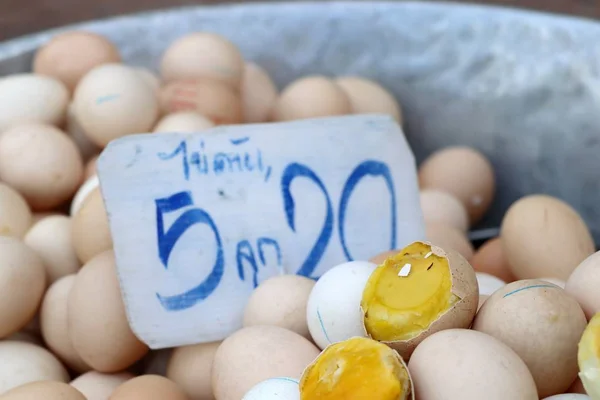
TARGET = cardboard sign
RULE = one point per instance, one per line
(198, 221)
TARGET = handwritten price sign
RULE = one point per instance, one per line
(198, 221)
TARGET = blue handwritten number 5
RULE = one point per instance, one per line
(167, 240)
(292, 172)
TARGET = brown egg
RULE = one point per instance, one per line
(463, 172)
(69, 56)
(183, 122)
(25, 362)
(542, 324)
(443, 208)
(466, 364)
(47, 390)
(311, 97)
(490, 259)
(113, 100)
(584, 284)
(15, 214)
(22, 285)
(482, 299)
(258, 92)
(54, 323)
(49, 172)
(90, 228)
(90, 168)
(52, 241)
(577, 387)
(203, 55)
(448, 237)
(544, 237)
(280, 301)
(256, 353)
(98, 386)
(190, 367)
(149, 387)
(369, 97)
(98, 325)
(212, 99)
(86, 147)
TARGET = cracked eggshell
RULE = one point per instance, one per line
(459, 315)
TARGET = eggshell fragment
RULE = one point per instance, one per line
(32, 98)
(98, 324)
(183, 122)
(443, 365)
(544, 237)
(203, 55)
(333, 309)
(438, 291)
(490, 259)
(51, 239)
(24, 362)
(212, 99)
(47, 390)
(463, 172)
(112, 101)
(22, 285)
(281, 353)
(54, 323)
(488, 284)
(148, 387)
(69, 56)
(584, 284)
(588, 357)
(448, 237)
(274, 389)
(258, 92)
(369, 97)
(190, 367)
(542, 324)
(280, 301)
(360, 367)
(443, 208)
(15, 214)
(42, 163)
(90, 228)
(311, 97)
(98, 386)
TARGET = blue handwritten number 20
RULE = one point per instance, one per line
(166, 240)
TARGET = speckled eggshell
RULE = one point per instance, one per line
(15, 214)
(148, 387)
(544, 237)
(258, 92)
(256, 353)
(460, 315)
(333, 310)
(463, 172)
(490, 259)
(584, 285)
(25, 362)
(90, 228)
(212, 99)
(46, 390)
(100, 332)
(280, 301)
(449, 237)
(98, 386)
(369, 97)
(48, 172)
(22, 285)
(190, 367)
(542, 324)
(51, 239)
(443, 208)
(54, 324)
(311, 97)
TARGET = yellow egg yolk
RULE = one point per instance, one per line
(356, 369)
(407, 293)
(588, 357)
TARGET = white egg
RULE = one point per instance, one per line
(488, 284)
(333, 311)
(274, 389)
(568, 396)
(84, 190)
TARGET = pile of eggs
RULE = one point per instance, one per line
(436, 320)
